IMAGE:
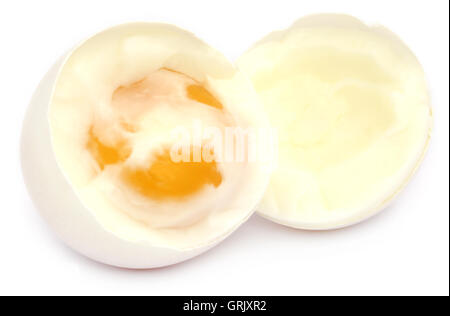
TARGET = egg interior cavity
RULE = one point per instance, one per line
(352, 110)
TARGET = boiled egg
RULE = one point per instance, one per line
(98, 145)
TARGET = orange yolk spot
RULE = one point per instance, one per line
(200, 94)
(106, 155)
(167, 179)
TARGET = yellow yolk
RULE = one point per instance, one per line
(163, 178)
(167, 179)
(106, 155)
(200, 94)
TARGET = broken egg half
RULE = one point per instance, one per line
(351, 106)
(98, 147)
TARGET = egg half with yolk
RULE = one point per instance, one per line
(98, 140)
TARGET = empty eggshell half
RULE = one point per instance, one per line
(352, 110)
(96, 142)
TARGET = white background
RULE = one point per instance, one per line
(402, 251)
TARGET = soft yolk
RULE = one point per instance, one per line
(136, 97)
(163, 178)
(167, 179)
(200, 94)
(106, 155)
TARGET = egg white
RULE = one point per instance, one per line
(351, 105)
